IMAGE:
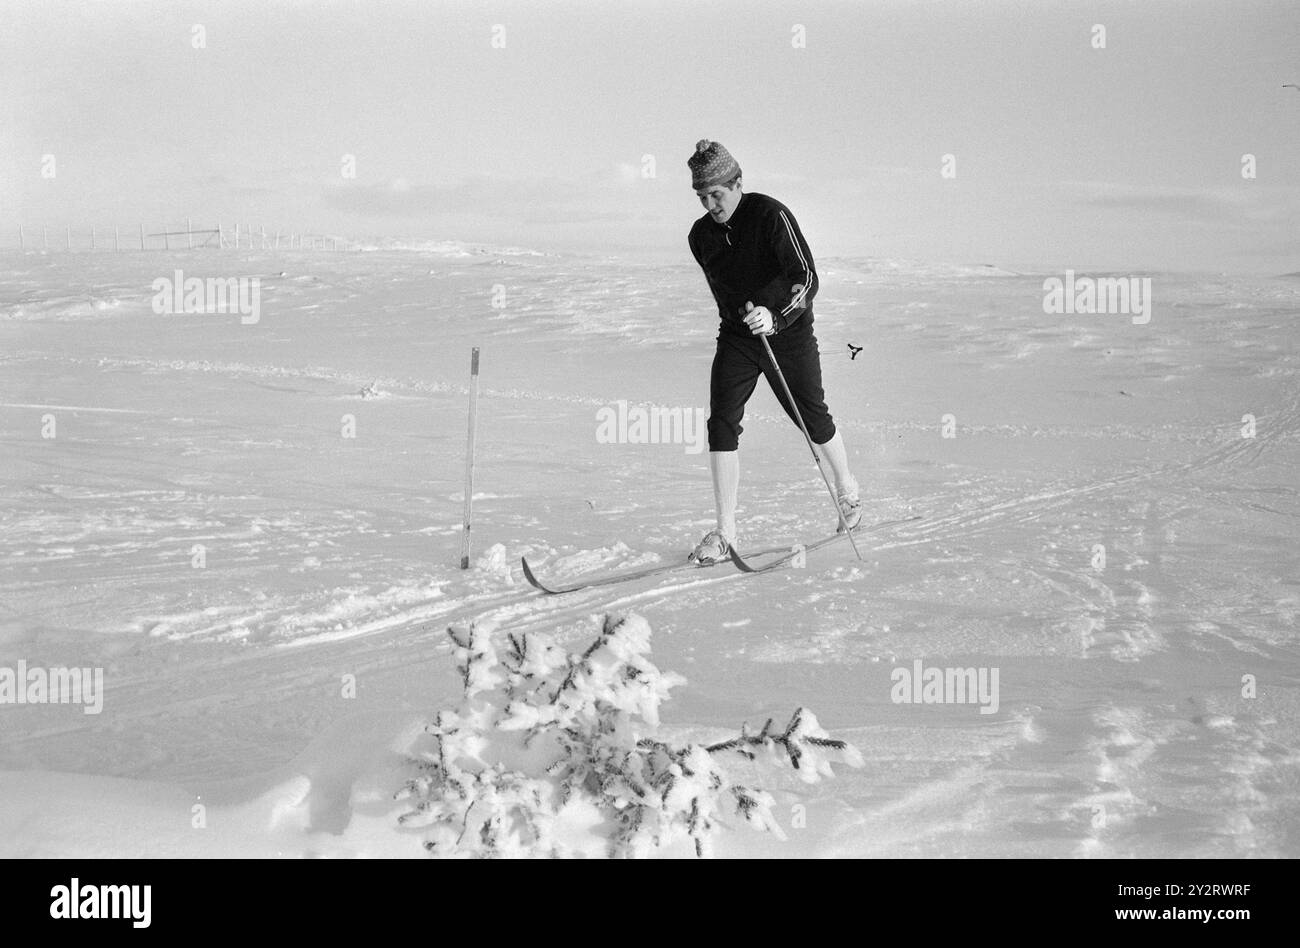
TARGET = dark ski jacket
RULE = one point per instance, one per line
(757, 256)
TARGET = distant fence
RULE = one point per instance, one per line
(67, 238)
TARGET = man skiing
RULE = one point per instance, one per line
(760, 270)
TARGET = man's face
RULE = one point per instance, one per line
(720, 201)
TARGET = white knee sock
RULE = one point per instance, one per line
(836, 458)
(725, 467)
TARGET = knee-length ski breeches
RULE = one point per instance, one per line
(736, 366)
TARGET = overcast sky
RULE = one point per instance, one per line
(1127, 157)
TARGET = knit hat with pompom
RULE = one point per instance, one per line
(711, 164)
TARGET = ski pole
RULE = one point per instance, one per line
(807, 437)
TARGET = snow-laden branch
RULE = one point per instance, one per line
(543, 742)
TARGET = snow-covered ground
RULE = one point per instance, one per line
(1147, 706)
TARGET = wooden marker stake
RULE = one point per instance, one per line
(469, 456)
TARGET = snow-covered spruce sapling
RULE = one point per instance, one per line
(550, 754)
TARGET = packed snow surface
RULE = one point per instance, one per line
(253, 529)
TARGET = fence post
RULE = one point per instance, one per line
(189, 236)
(92, 237)
(69, 242)
(116, 244)
(21, 244)
(142, 236)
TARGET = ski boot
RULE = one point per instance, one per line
(714, 548)
(851, 508)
